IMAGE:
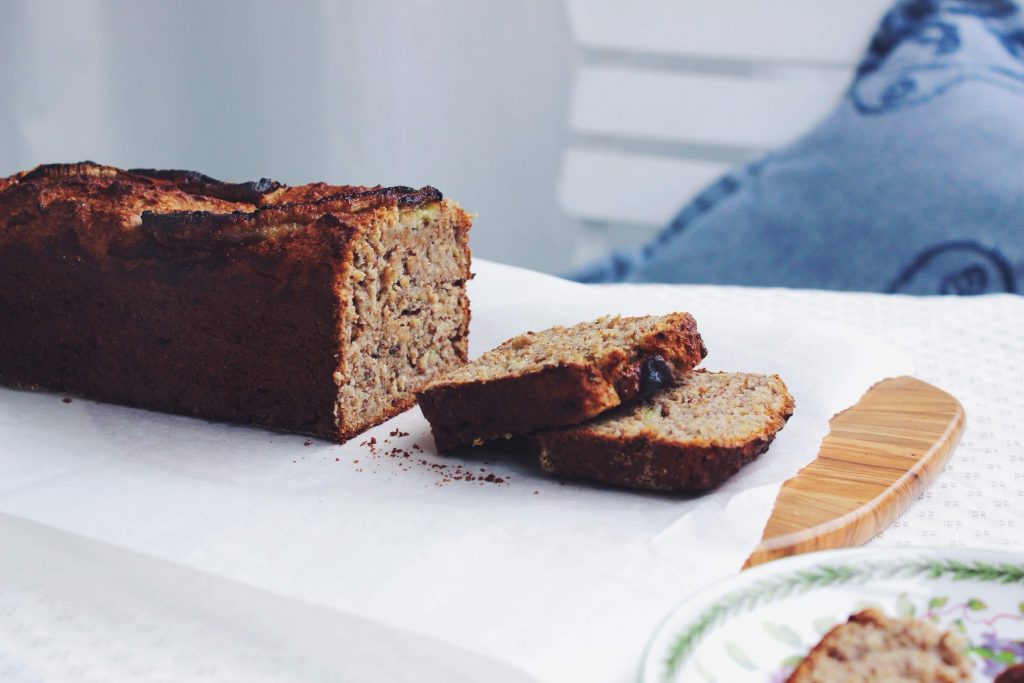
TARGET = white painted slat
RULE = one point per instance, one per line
(764, 110)
(630, 188)
(835, 31)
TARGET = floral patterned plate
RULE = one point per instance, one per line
(758, 625)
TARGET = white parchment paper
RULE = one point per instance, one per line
(77, 610)
(564, 581)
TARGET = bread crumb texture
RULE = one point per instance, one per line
(687, 438)
(707, 409)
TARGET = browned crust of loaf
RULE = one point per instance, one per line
(649, 463)
(207, 229)
(868, 617)
(197, 183)
(113, 214)
(464, 413)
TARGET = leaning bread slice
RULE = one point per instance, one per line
(873, 648)
(563, 375)
(688, 438)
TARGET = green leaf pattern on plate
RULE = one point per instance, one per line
(904, 607)
(784, 634)
(739, 656)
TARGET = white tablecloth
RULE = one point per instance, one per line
(970, 347)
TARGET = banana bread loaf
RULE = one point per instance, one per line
(317, 309)
(691, 437)
(873, 648)
(563, 375)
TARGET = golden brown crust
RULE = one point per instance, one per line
(345, 212)
(88, 208)
(196, 183)
(104, 208)
(646, 465)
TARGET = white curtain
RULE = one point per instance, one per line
(467, 95)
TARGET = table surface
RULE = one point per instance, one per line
(970, 347)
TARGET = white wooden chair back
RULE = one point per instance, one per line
(671, 93)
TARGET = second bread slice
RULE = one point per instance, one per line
(689, 438)
(560, 376)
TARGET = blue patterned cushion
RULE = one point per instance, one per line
(915, 183)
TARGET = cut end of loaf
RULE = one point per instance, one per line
(876, 648)
(406, 314)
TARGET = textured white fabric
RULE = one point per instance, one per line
(440, 92)
(973, 348)
(73, 609)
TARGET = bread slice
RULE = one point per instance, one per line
(689, 438)
(563, 375)
(873, 648)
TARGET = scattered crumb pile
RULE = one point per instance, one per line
(411, 457)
